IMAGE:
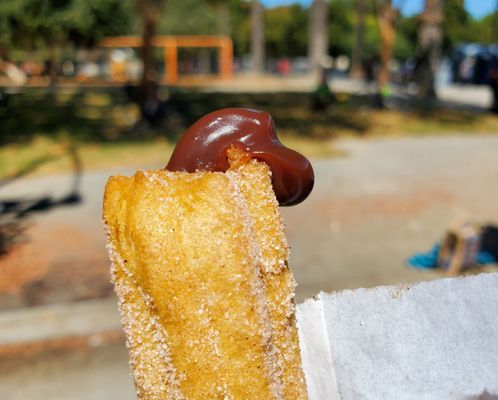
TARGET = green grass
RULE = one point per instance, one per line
(47, 156)
(41, 130)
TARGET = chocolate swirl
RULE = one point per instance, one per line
(203, 147)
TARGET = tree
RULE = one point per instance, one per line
(359, 40)
(318, 38)
(241, 28)
(150, 13)
(285, 31)
(340, 27)
(50, 25)
(387, 16)
(430, 39)
(41, 23)
(257, 37)
(406, 37)
(456, 23)
(200, 17)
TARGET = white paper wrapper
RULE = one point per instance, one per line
(431, 340)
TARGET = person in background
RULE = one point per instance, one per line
(322, 97)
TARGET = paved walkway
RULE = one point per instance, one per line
(388, 199)
(370, 210)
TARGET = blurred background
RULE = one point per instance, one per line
(394, 101)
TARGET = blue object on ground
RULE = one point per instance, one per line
(429, 259)
(426, 260)
(483, 257)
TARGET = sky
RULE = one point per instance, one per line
(478, 8)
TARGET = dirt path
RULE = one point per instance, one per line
(93, 373)
(368, 212)
(387, 200)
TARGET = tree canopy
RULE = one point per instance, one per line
(286, 31)
(42, 24)
(34, 24)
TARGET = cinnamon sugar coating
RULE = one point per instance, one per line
(205, 293)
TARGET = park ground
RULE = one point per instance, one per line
(39, 125)
(388, 184)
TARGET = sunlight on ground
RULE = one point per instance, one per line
(45, 156)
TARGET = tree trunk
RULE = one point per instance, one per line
(257, 37)
(54, 57)
(318, 36)
(430, 39)
(386, 17)
(359, 41)
(150, 12)
(4, 54)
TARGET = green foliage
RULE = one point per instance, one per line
(286, 31)
(41, 25)
(485, 30)
(208, 17)
(342, 23)
(406, 38)
(460, 27)
(240, 27)
(182, 17)
(372, 37)
(34, 24)
(455, 23)
(341, 18)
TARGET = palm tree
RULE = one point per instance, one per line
(430, 39)
(387, 16)
(150, 13)
(257, 37)
(318, 38)
(359, 38)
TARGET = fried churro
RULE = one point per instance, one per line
(199, 263)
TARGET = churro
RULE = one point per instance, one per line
(199, 263)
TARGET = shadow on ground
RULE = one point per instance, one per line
(15, 212)
(109, 114)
